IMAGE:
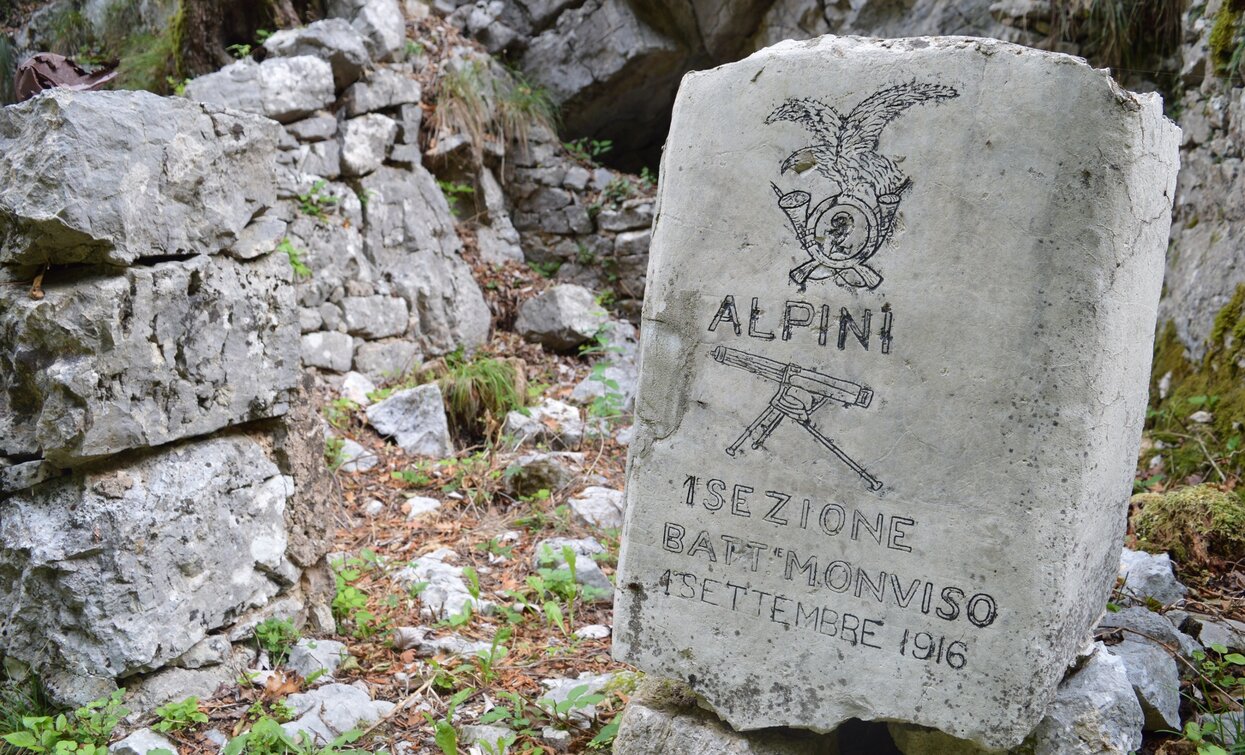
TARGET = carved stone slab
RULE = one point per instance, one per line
(895, 352)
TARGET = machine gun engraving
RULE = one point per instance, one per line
(801, 392)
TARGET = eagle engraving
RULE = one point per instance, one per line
(843, 231)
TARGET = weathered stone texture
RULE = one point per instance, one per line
(1028, 192)
(104, 364)
(121, 569)
(283, 89)
(80, 187)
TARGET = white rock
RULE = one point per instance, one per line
(329, 711)
(551, 422)
(415, 419)
(446, 592)
(550, 554)
(497, 738)
(356, 387)
(561, 317)
(1201, 417)
(1095, 712)
(749, 405)
(365, 143)
(310, 656)
(374, 508)
(1147, 575)
(599, 507)
(333, 40)
(356, 458)
(283, 89)
(418, 505)
(383, 89)
(375, 316)
(316, 128)
(142, 742)
(593, 632)
(328, 351)
(383, 28)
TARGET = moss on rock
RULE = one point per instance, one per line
(659, 693)
(1222, 41)
(1201, 526)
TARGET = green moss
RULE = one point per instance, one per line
(1201, 527)
(665, 694)
(1223, 37)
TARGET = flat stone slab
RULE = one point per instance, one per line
(104, 364)
(895, 354)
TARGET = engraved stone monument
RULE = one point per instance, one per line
(895, 350)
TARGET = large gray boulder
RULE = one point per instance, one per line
(411, 240)
(283, 89)
(333, 40)
(177, 349)
(1094, 713)
(118, 176)
(561, 318)
(124, 568)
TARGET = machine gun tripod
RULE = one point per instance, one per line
(801, 392)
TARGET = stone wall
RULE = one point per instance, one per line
(161, 479)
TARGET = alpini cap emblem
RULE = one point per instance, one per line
(842, 232)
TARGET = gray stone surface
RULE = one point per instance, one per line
(415, 419)
(365, 143)
(121, 569)
(491, 736)
(1155, 678)
(103, 364)
(531, 473)
(446, 593)
(314, 128)
(309, 656)
(1218, 631)
(1147, 575)
(1095, 712)
(375, 316)
(383, 28)
(1142, 623)
(333, 40)
(210, 651)
(551, 554)
(917, 740)
(116, 176)
(902, 426)
(260, 237)
(334, 709)
(381, 90)
(561, 318)
(328, 351)
(142, 742)
(356, 458)
(411, 238)
(417, 506)
(382, 360)
(599, 507)
(551, 423)
(283, 89)
(356, 387)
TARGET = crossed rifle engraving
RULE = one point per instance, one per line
(801, 392)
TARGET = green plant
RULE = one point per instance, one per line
(334, 453)
(350, 602)
(1201, 526)
(1121, 34)
(338, 412)
(1219, 677)
(547, 268)
(276, 636)
(588, 150)
(176, 716)
(487, 103)
(1222, 40)
(239, 51)
(85, 731)
(316, 202)
(478, 392)
(648, 177)
(287, 248)
(521, 106)
(19, 699)
(453, 192)
(444, 733)
(619, 188)
(486, 660)
(266, 737)
(576, 699)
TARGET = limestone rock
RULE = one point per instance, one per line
(147, 692)
(532, 473)
(113, 571)
(561, 318)
(411, 238)
(328, 351)
(334, 709)
(315, 128)
(551, 423)
(375, 316)
(260, 237)
(210, 651)
(383, 28)
(104, 364)
(1219, 631)
(417, 506)
(593, 632)
(391, 358)
(415, 419)
(559, 690)
(333, 40)
(309, 656)
(1147, 575)
(283, 89)
(365, 143)
(356, 387)
(142, 742)
(1095, 712)
(382, 90)
(496, 738)
(117, 176)
(446, 593)
(617, 379)
(355, 457)
(599, 507)
(1155, 678)
(1140, 623)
